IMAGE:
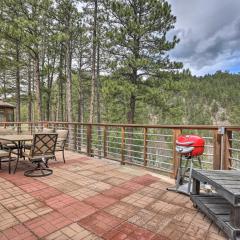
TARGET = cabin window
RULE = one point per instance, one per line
(2, 116)
(10, 117)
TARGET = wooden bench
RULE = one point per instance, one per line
(222, 207)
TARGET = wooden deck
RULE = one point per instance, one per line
(88, 198)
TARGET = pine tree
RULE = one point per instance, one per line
(137, 42)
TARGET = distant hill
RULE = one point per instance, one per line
(180, 99)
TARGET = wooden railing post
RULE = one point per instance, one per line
(105, 142)
(18, 127)
(79, 137)
(176, 133)
(227, 162)
(42, 125)
(75, 137)
(145, 147)
(89, 140)
(216, 150)
(31, 128)
(99, 141)
(123, 146)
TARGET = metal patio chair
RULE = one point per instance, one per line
(42, 149)
(62, 139)
(5, 156)
(6, 145)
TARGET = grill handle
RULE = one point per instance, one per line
(184, 143)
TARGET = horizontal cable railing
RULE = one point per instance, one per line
(150, 146)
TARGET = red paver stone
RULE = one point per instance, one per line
(115, 181)
(131, 185)
(151, 192)
(32, 187)
(3, 237)
(77, 211)
(100, 223)
(142, 234)
(122, 210)
(145, 180)
(117, 192)
(45, 193)
(18, 232)
(128, 231)
(70, 161)
(142, 217)
(60, 201)
(18, 179)
(84, 159)
(160, 237)
(49, 223)
(100, 201)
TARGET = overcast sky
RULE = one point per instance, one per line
(209, 32)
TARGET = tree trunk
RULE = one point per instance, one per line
(49, 90)
(33, 94)
(18, 100)
(80, 103)
(38, 89)
(4, 85)
(60, 85)
(131, 112)
(69, 81)
(100, 140)
(69, 91)
(29, 92)
(80, 90)
(98, 84)
(93, 87)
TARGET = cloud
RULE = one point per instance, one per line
(209, 31)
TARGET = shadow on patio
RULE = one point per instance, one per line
(88, 198)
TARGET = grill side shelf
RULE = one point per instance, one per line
(218, 210)
(225, 190)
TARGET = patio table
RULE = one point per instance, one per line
(18, 140)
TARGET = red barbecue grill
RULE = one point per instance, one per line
(190, 145)
(190, 148)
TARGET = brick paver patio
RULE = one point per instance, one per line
(92, 199)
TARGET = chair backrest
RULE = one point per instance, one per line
(44, 130)
(7, 131)
(44, 144)
(47, 130)
(62, 134)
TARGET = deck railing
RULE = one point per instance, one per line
(150, 146)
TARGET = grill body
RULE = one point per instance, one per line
(190, 145)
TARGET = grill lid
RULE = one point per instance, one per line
(190, 140)
(191, 145)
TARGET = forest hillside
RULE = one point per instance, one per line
(104, 61)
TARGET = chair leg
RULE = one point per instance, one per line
(9, 166)
(9, 163)
(16, 165)
(63, 156)
(46, 163)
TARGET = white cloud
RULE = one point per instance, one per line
(209, 32)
